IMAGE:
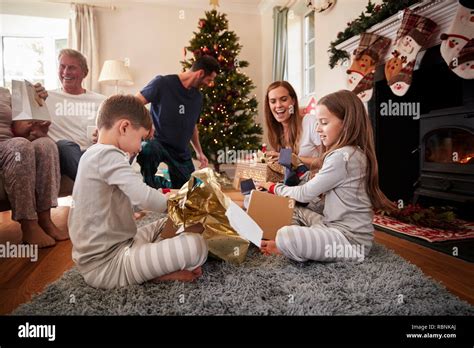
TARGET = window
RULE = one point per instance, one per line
(308, 54)
(29, 47)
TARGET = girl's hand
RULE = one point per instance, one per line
(265, 185)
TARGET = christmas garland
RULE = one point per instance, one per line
(372, 15)
(442, 218)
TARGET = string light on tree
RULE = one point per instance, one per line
(230, 102)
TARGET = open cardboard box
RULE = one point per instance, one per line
(270, 212)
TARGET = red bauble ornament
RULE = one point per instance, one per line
(220, 58)
(202, 23)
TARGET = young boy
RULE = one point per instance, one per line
(108, 249)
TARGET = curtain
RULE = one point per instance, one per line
(280, 43)
(83, 37)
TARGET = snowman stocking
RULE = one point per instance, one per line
(463, 65)
(371, 50)
(413, 33)
(460, 32)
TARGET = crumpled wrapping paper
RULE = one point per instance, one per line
(201, 200)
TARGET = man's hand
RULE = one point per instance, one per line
(151, 133)
(41, 94)
(95, 136)
(203, 159)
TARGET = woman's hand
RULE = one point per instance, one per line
(272, 156)
(22, 128)
(40, 129)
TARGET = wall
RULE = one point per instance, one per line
(153, 38)
(327, 25)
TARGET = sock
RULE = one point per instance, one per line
(460, 32)
(365, 87)
(463, 65)
(371, 50)
(412, 35)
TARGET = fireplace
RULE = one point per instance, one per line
(429, 157)
(447, 155)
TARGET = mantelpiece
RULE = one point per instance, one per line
(440, 11)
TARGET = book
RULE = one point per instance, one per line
(25, 105)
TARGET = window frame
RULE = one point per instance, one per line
(306, 67)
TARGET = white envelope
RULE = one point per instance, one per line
(243, 224)
(24, 105)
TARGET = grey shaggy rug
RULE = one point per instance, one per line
(384, 284)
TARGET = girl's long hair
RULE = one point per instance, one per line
(276, 136)
(357, 131)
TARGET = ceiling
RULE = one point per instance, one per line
(241, 6)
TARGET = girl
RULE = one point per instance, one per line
(348, 179)
(285, 126)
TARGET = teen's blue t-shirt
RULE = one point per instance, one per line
(175, 111)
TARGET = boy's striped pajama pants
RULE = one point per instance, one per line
(149, 257)
(309, 239)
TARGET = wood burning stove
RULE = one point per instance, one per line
(447, 155)
(429, 157)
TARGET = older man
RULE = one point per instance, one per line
(73, 111)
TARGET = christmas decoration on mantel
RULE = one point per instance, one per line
(372, 15)
(457, 46)
(229, 109)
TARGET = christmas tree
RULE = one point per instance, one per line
(228, 115)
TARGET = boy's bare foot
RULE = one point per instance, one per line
(44, 220)
(197, 271)
(183, 276)
(33, 234)
(269, 247)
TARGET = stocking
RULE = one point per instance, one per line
(372, 48)
(412, 35)
(460, 32)
(463, 65)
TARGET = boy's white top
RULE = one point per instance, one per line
(101, 215)
(309, 138)
(71, 114)
(347, 206)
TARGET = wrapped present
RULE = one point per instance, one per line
(202, 201)
(262, 172)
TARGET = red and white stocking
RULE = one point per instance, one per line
(460, 32)
(413, 34)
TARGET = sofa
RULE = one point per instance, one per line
(14, 236)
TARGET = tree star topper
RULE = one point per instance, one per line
(214, 3)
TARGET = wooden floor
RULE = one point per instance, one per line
(21, 278)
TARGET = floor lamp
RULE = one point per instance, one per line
(114, 72)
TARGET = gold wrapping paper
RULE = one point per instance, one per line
(201, 200)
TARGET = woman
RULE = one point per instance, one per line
(29, 164)
(285, 126)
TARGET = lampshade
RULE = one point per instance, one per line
(115, 72)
